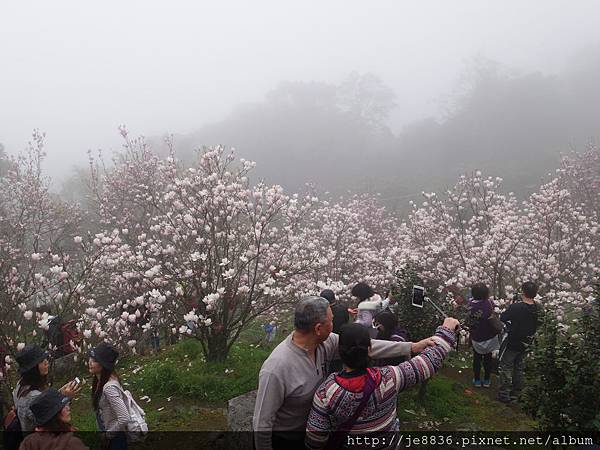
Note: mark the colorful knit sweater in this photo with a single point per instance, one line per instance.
(337, 398)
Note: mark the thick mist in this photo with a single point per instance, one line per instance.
(393, 97)
(336, 136)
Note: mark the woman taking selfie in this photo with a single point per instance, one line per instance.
(362, 400)
(33, 368)
(107, 397)
(52, 416)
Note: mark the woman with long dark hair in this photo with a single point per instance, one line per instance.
(107, 396)
(33, 368)
(362, 400)
(387, 327)
(52, 415)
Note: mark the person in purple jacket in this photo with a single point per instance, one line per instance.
(484, 338)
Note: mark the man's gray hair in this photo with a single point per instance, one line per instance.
(310, 311)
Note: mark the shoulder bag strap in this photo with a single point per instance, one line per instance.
(23, 391)
(338, 435)
(13, 412)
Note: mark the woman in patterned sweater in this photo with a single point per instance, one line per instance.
(337, 400)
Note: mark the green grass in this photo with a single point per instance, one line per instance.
(182, 371)
(188, 393)
(442, 402)
(449, 404)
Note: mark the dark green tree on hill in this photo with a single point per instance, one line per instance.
(420, 322)
(562, 389)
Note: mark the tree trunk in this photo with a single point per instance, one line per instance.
(500, 286)
(217, 348)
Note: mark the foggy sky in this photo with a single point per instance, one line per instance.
(77, 70)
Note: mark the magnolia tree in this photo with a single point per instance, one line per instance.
(217, 252)
(124, 201)
(127, 195)
(39, 259)
(561, 249)
(476, 233)
(203, 251)
(350, 241)
(471, 234)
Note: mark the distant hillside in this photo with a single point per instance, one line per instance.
(335, 136)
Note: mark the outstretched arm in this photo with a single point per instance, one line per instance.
(380, 349)
(428, 362)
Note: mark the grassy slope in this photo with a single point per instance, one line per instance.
(189, 394)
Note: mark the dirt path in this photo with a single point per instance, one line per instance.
(465, 376)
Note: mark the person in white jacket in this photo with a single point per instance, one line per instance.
(369, 305)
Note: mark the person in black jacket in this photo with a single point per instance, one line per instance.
(341, 316)
(340, 312)
(524, 317)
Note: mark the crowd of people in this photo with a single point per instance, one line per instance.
(41, 416)
(330, 378)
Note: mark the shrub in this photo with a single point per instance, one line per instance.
(420, 322)
(562, 376)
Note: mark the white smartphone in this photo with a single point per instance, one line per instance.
(77, 381)
(418, 296)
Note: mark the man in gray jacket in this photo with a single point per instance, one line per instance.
(292, 373)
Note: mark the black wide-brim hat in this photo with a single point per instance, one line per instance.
(105, 354)
(29, 357)
(47, 405)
